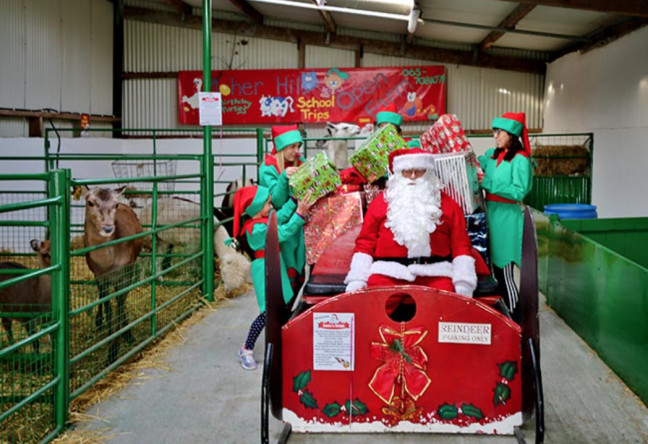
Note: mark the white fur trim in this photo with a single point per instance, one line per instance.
(355, 285)
(360, 268)
(436, 269)
(393, 270)
(464, 274)
(413, 161)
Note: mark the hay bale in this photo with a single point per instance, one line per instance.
(561, 160)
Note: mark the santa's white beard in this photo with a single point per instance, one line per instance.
(413, 211)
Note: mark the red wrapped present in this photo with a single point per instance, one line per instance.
(445, 136)
(328, 219)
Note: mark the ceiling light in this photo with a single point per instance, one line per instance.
(412, 21)
(365, 12)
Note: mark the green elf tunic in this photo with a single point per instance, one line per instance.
(289, 223)
(293, 250)
(506, 186)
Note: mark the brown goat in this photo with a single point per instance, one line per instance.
(106, 219)
(32, 295)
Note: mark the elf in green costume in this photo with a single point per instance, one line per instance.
(507, 179)
(274, 173)
(252, 205)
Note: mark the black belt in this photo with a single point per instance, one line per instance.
(421, 260)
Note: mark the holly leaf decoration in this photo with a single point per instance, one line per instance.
(447, 411)
(332, 409)
(307, 399)
(397, 346)
(357, 407)
(472, 411)
(301, 381)
(508, 369)
(502, 394)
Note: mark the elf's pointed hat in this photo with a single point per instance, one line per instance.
(514, 123)
(248, 201)
(414, 143)
(284, 135)
(410, 158)
(390, 115)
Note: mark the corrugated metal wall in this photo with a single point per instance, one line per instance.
(475, 94)
(55, 54)
(58, 53)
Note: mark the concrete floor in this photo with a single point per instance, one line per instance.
(207, 397)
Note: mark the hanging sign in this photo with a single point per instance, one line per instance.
(317, 95)
(210, 109)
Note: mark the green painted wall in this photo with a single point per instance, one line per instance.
(598, 291)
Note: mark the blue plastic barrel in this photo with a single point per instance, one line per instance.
(571, 211)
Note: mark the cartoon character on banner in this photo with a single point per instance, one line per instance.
(308, 81)
(281, 105)
(193, 101)
(333, 81)
(414, 107)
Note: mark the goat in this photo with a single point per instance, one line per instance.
(106, 219)
(338, 150)
(32, 295)
(234, 267)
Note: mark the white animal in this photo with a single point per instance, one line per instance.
(234, 267)
(194, 101)
(338, 150)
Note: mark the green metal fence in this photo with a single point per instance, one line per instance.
(160, 289)
(562, 174)
(33, 385)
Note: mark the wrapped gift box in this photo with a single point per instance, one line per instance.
(317, 175)
(445, 136)
(458, 175)
(478, 233)
(328, 219)
(372, 158)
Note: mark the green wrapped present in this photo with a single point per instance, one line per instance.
(317, 175)
(372, 158)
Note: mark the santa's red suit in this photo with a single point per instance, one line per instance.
(379, 260)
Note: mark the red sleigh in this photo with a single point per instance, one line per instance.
(440, 362)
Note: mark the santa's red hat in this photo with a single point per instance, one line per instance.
(248, 201)
(410, 158)
(284, 135)
(389, 114)
(514, 123)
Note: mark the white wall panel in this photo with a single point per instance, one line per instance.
(605, 91)
(44, 53)
(150, 103)
(12, 55)
(76, 46)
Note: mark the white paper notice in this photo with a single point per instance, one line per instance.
(333, 341)
(211, 108)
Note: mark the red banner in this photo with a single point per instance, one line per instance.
(317, 95)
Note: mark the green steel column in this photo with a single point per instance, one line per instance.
(259, 136)
(208, 175)
(60, 254)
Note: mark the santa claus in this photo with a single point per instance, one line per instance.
(413, 233)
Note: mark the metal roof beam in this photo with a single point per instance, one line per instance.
(328, 20)
(509, 22)
(179, 5)
(248, 10)
(635, 8)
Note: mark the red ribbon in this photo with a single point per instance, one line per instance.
(404, 363)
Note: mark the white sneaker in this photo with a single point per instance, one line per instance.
(246, 359)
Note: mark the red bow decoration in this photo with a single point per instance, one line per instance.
(404, 363)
